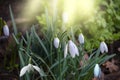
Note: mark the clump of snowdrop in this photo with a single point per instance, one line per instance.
(29, 68)
(81, 38)
(73, 50)
(56, 42)
(103, 47)
(6, 30)
(97, 71)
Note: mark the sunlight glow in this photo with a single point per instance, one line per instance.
(70, 7)
(75, 9)
(78, 8)
(65, 17)
(31, 7)
(86, 6)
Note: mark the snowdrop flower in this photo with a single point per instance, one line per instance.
(6, 30)
(103, 47)
(56, 42)
(65, 17)
(81, 38)
(97, 71)
(65, 50)
(29, 68)
(73, 49)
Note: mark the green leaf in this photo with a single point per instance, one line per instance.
(13, 21)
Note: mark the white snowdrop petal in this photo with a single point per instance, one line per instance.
(23, 70)
(97, 71)
(75, 49)
(6, 30)
(101, 47)
(106, 48)
(39, 70)
(71, 49)
(56, 42)
(36, 68)
(81, 38)
(77, 52)
(65, 50)
(30, 67)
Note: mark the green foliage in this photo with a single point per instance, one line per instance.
(13, 21)
(51, 60)
(9, 53)
(103, 25)
(39, 47)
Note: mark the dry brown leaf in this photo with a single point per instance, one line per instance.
(102, 76)
(94, 78)
(111, 66)
(115, 61)
(113, 76)
(86, 57)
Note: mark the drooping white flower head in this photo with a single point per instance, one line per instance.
(56, 42)
(103, 47)
(97, 71)
(29, 68)
(81, 38)
(73, 50)
(6, 30)
(65, 50)
(65, 17)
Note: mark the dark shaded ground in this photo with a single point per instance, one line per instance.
(9, 61)
(112, 71)
(4, 8)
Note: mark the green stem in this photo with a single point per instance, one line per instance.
(45, 65)
(51, 53)
(59, 58)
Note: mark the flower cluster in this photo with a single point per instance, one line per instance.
(72, 48)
